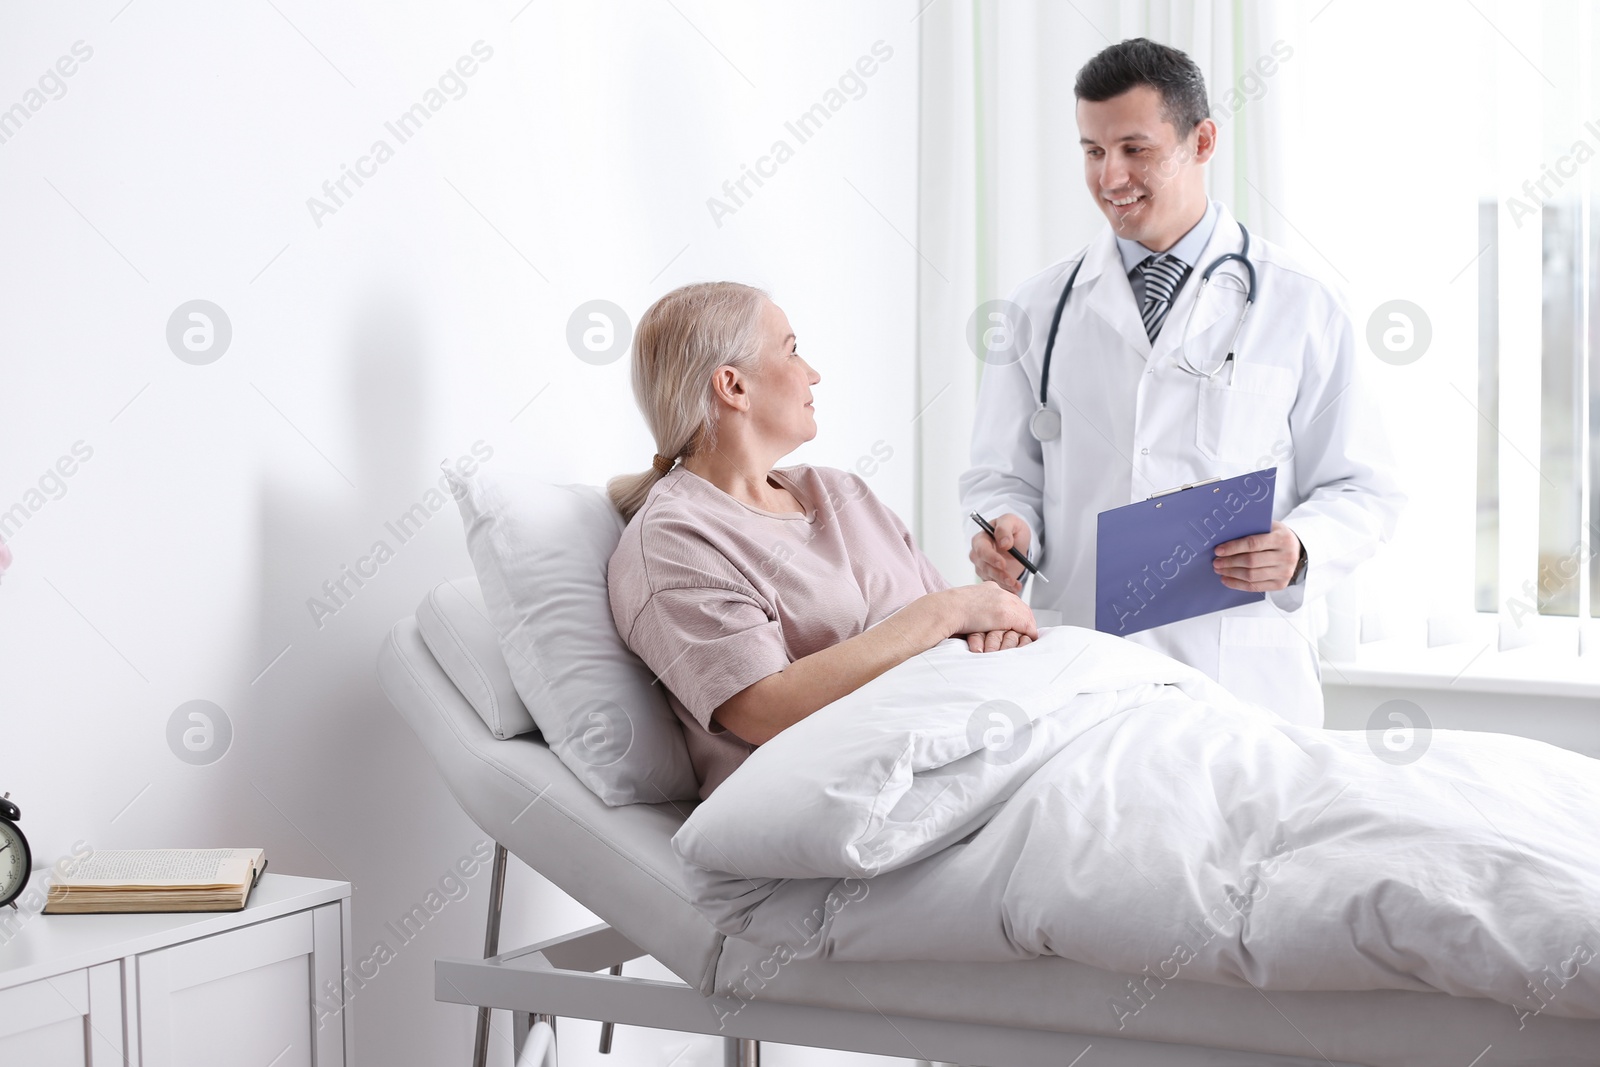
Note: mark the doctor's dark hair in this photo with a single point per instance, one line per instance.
(1141, 61)
(681, 340)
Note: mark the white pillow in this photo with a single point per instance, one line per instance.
(455, 626)
(541, 553)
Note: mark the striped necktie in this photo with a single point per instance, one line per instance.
(1163, 275)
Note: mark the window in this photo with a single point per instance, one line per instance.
(1465, 153)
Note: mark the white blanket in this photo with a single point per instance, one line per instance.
(1087, 797)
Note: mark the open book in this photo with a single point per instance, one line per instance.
(159, 879)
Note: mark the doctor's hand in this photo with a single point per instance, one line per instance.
(989, 555)
(1259, 563)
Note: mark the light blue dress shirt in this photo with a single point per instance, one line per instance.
(1188, 249)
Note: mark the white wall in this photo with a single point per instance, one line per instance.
(427, 313)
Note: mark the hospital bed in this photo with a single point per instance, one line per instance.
(618, 863)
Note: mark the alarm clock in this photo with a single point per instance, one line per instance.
(16, 862)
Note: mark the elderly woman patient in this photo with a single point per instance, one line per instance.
(761, 594)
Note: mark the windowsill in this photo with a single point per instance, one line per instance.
(1474, 666)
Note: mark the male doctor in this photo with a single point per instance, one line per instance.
(1136, 420)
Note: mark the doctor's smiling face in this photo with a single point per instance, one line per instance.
(1144, 125)
(1149, 181)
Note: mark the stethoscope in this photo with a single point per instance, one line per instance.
(1046, 422)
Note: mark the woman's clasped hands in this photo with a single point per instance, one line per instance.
(989, 617)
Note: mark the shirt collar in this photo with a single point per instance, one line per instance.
(1189, 246)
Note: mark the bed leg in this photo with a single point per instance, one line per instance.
(741, 1052)
(607, 1029)
(491, 947)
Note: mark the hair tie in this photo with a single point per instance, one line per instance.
(661, 463)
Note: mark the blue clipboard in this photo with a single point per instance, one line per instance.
(1153, 564)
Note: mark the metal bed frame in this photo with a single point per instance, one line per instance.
(579, 975)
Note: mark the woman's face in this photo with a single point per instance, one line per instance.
(780, 387)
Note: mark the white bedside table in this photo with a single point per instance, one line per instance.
(258, 986)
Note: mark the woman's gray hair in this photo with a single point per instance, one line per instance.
(681, 340)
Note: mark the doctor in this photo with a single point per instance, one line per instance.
(1144, 397)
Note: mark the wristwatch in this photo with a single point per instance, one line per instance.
(1300, 568)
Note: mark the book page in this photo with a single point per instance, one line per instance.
(167, 867)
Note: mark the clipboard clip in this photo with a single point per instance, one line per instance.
(1181, 488)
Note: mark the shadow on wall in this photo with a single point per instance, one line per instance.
(319, 713)
(386, 393)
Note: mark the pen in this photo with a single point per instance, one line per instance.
(1018, 556)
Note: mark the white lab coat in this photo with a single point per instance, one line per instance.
(1134, 424)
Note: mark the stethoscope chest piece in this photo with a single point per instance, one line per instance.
(1045, 424)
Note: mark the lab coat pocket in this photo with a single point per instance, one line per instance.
(1266, 660)
(1240, 419)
